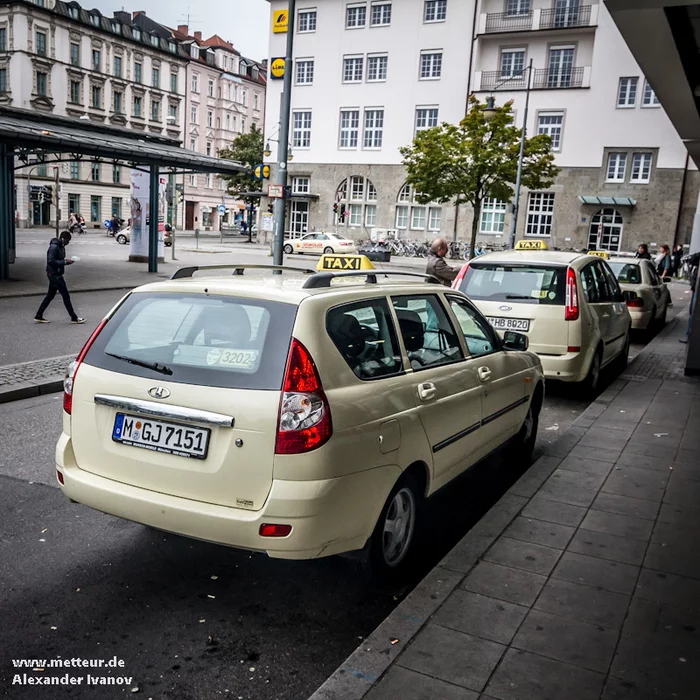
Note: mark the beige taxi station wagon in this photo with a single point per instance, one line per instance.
(301, 415)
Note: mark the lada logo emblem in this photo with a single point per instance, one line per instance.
(159, 392)
(505, 307)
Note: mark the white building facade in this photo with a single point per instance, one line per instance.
(368, 74)
(58, 58)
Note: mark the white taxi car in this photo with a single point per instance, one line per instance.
(301, 418)
(649, 306)
(320, 243)
(569, 304)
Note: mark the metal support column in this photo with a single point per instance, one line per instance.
(153, 219)
(7, 209)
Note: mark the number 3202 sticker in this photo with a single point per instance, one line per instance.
(234, 359)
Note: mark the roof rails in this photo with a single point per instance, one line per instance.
(239, 269)
(324, 279)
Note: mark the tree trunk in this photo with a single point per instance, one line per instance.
(475, 226)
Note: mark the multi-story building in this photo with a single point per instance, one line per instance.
(225, 98)
(58, 58)
(369, 74)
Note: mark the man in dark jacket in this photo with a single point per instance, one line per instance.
(55, 267)
(437, 267)
(643, 252)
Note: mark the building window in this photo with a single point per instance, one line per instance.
(434, 218)
(155, 110)
(118, 98)
(650, 99)
(352, 69)
(95, 171)
(210, 88)
(355, 16)
(349, 199)
(381, 14)
(305, 71)
(228, 122)
(138, 71)
(627, 92)
(75, 92)
(194, 114)
(96, 60)
(41, 83)
(355, 215)
(193, 181)
(244, 98)
(156, 78)
(301, 133)
(540, 208)
(371, 215)
(95, 20)
(244, 124)
(371, 192)
(210, 118)
(307, 21)
(208, 148)
(493, 216)
(401, 217)
(406, 194)
(117, 66)
(435, 11)
(3, 80)
(517, 7)
(561, 67)
(95, 208)
(75, 170)
(512, 62)
(74, 203)
(207, 181)
(193, 144)
(256, 99)
(42, 170)
(374, 128)
(41, 43)
(301, 185)
(173, 82)
(116, 174)
(641, 167)
(195, 83)
(74, 54)
(551, 124)
(357, 188)
(172, 113)
(349, 128)
(3, 39)
(377, 68)
(97, 97)
(617, 166)
(426, 118)
(138, 106)
(117, 207)
(430, 65)
(418, 218)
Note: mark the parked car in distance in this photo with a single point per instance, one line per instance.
(124, 236)
(320, 243)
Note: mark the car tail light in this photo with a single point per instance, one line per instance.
(69, 380)
(59, 476)
(571, 312)
(460, 277)
(274, 530)
(573, 348)
(636, 303)
(305, 416)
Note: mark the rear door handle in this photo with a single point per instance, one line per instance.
(426, 391)
(484, 374)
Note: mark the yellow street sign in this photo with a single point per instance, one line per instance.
(599, 253)
(530, 245)
(277, 67)
(280, 21)
(262, 172)
(344, 262)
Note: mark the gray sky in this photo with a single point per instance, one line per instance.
(245, 23)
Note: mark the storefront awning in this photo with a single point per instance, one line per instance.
(608, 201)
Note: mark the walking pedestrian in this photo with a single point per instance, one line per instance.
(677, 256)
(55, 267)
(643, 252)
(665, 265)
(693, 264)
(437, 267)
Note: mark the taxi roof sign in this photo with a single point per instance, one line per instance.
(530, 245)
(599, 253)
(339, 263)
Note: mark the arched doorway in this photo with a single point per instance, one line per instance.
(605, 232)
(355, 203)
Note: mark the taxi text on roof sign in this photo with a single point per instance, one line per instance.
(280, 21)
(338, 263)
(530, 245)
(599, 253)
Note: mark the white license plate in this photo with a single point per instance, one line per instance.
(509, 324)
(161, 436)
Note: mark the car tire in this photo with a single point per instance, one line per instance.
(392, 546)
(623, 358)
(167, 245)
(523, 443)
(661, 323)
(328, 250)
(589, 386)
(288, 250)
(121, 239)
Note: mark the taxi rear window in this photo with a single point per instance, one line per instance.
(626, 273)
(520, 283)
(197, 339)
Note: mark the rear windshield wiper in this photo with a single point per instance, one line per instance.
(155, 366)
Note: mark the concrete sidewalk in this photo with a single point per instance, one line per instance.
(582, 583)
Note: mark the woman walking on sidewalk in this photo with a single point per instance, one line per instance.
(55, 267)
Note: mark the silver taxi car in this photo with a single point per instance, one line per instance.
(301, 417)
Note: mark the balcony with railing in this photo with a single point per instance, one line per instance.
(571, 17)
(542, 79)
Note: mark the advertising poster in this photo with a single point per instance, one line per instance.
(140, 214)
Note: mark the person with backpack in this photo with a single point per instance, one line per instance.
(693, 264)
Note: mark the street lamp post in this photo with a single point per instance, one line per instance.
(489, 111)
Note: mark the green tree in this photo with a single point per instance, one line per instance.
(476, 159)
(248, 150)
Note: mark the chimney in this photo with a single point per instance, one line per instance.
(264, 63)
(198, 36)
(123, 17)
(183, 29)
(138, 12)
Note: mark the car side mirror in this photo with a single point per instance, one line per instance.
(515, 341)
(628, 296)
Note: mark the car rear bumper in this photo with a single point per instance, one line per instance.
(571, 367)
(327, 516)
(641, 319)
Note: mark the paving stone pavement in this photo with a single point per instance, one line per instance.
(26, 379)
(582, 583)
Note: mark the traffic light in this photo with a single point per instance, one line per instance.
(335, 208)
(270, 208)
(181, 198)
